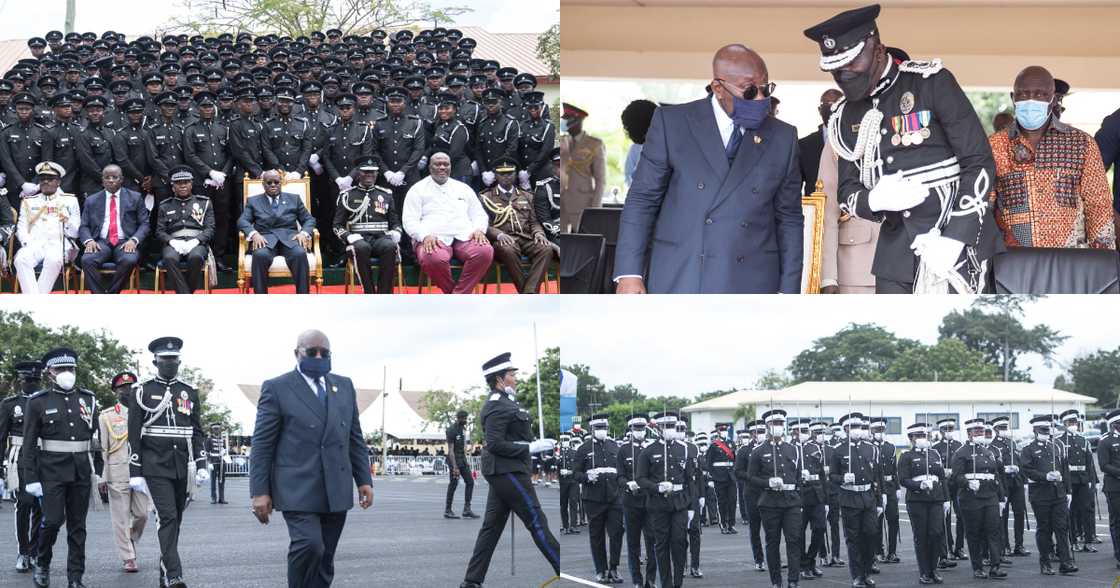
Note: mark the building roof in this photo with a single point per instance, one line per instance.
(932, 393)
(12, 51)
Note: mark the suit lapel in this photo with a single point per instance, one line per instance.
(332, 404)
(307, 394)
(750, 153)
(706, 133)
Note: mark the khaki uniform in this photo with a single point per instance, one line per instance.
(849, 241)
(583, 177)
(512, 213)
(127, 508)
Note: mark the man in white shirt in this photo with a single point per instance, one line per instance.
(446, 220)
(48, 222)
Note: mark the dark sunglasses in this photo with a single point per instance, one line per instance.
(752, 90)
(322, 352)
(271, 182)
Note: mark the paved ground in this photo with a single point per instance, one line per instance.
(402, 541)
(724, 561)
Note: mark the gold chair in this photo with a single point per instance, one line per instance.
(812, 207)
(205, 276)
(352, 272)
(279, 267)
(133, 278)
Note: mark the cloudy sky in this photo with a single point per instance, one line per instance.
(686, 346)
(429, 341)
(18, 18)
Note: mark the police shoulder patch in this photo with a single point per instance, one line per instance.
(200, 197)
(924, 67)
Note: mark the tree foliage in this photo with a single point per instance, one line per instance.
(993, 326)
(949, 360)
(857, 353)
(1096, 374)
(548, 49)
(300, 17)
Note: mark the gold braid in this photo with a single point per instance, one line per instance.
(503, 214)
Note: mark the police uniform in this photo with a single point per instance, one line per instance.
(21, 149)
(1083, 481)
(184, 229)
(538, 138)
(636, 519)
(128, 508)
(217, 452)
(569, 488)
(456, 439)
(59, 438)
(583, 175)
(61, 146)
(206, 148)
(833, 514)
(918, 122)
(134, 154)
(28, 511)
(168, 447)
(1013, 487)
(776, 471)
(814, 498)
(921, 472)
(497, 136)
(596, 470)
(947, 448)
(663, 472)
(975, 474)
(696, 486)
(1108, 456)
(750, 493)
(889, 518)
(165, 151)
(856, 468)
(1047, 473)
(546, 201)
(511, 215)
(453, 138)
(98, 146)
(399, 143)
(288, 137)
(247, 145)
(506, 457)
(368, 221)
(724, 467)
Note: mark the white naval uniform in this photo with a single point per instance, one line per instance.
(40, 230)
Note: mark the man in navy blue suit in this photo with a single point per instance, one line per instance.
(114, 226)
(277, 223)
(302, 409)
(715, 205)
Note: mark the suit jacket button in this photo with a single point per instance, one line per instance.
(707, 221)
(906, 214)
(700, 186)
(739, 259)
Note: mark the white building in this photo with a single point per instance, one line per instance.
(899, 403)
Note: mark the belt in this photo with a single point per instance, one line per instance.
(856, 487)
(65, 446)
(187, 233)
(723, 464)
(678, 487)
(919, 479)
(888, 478)
(1074, 468)
(813, 477)
(980, 476)
(935, 174)
(170, 432)
(786, 488)
(603, 471)
(1008, 470)
(372, 227)
(17, 440)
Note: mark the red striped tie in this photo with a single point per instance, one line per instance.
(113, 220)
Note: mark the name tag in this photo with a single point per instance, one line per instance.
(51, 411)
(156, 396)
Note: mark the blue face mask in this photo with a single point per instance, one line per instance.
(749, 114)
(1032, 114)
(563, 125)
(315, 367)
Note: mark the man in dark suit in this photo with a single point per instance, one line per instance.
(277, 223)
(114, 226)
(811, 145)
(715, 205)
(298, 411)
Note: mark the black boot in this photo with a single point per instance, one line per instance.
(76, 583)
(40, 575)
(924, 579)
(1020, 552)
(450, 514)
(997, 574)
(980, 574)
(468, 513)
(1067, 568)
(1044, 568)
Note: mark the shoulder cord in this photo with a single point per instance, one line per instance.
(866, 152)
(502, 214)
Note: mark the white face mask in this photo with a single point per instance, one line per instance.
(819, 438)
(777, 430)
(509, 390)
(638, 434)
(921, 443)
(65, 380)
(949, 434)
(1042, 436)
(1073, 428)
(840, 435)
(878, 436)
(760, 437)
(983, 441)
(599, 434)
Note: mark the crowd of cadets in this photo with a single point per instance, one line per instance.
(85, 102)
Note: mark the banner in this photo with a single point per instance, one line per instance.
(568, 382)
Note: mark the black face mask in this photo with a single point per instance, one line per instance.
(856, 86)
(30, 386)
(167, 368)
(125, 398)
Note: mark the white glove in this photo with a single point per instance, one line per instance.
(1002, 505)
(344, 183)
(388, 175)
(209, 467)
(945, 507)
(423, 163)
(35, 489)
(691, 514)
(878, 511)
(1069, 500)
(849, 478)
(1010, 469)
(177, 245)
(1053, 476)
(149, 202)
(974, 485)
(775, 483)
(487, 177)
(523, 179)
(211, 183)
(826, 511)
(564, 472)
(926, 485)
(3, 178)
(894, 193)
(28, 189)
(400, 178)
(201, 476)
(316, 167)
(138, 485)
(313, 160)
(291, 176)
(217, 176)
(474, 168)
(3, 487)
(633, 486)
(593, 476)
(394, 235)
(664, 486)
(939, 253)
(353, 238)
(189, 245)
(542, 445)
(711, 484)
(701, 502)
(804, 474)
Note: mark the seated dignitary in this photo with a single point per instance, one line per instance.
(48, 223)
(277, 223)
(185, 227)
(445, 219)
(368, 222)
(114, 226)
(514, 228)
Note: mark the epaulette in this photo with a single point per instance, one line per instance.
(925, 67)
(543, 182)
(44, 126)
(509, 116)
(383, 189)
(496, 396)
(84, 391)
(39, 393)
(415, 116)
(200, 196)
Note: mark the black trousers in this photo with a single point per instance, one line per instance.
(604, 521)
(983, 535)
(927, 521)
(1016, 501)
(754, 517)
(833, 525)
(725, 496)
(743, 488)
(313, 539)
(169, 497)
(637, 523)
(226, 208)
(125, 263)
(669, 544)
(1114, 522)
(29, 522)
(468, 481)
(812, 518)
(952, 544)
(567, 504)
(859, 533)
(385, 250)
(324, 200)
(1052, 524)
(218, 482)
(196, 261)
(890, 517)
(65, 502)
(511, 492)
(778, 522)
(1080, 515)
(296, 257)
(694, 535)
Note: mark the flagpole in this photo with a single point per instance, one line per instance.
(540, 407)
(384, 409)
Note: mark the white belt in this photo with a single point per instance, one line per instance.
(920, 479)
(979, 476)
(856, 487)
(16, 440)
(1074, 468)
(786, 488)
(173, 432)
(888, 478)
(723, 464)
(1008, 470)
(603, 471)
(678, 487)
(935, 174)
(948, 471)
(812, 477)
(65, 446)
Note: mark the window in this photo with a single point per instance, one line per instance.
(894, 425)
(987, 416)
(931, 418)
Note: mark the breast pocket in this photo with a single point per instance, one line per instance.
(1011, 192)
(1066, 183)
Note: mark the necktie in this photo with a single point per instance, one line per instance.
(733, 144)
(321, 391)
(275, 202)
(113, 220)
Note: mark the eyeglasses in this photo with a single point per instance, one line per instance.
(271, 182)
(322, 352)
(751, 91)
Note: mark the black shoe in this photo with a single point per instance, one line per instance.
(1087, 548)
(775, 586)
(837, 563)
(870, 583)
(891, 559)
(222, 267)
(1005, 561)
(858, 583)
(563, 530)
(1067, 569)
(695, 573)
(957, 555)
(759, 567)
(613, 576)
(212, 501)
(466, 584)
(875, 569)
(925, 580)
(450, 514)
(1020, 552)
(792, 585)
(946, 564)
(1095, 540)
(601, 578)
(23, 564)
(816, 572)
(75, 584)
(222, 502)
(1006, 552)
(41, 576)
(723, 530)
(980, 574)
(469, 514)
(731, 530)
(176, 583)
(1045, 569)
(997, 574)
(573, 531)
(936, 578)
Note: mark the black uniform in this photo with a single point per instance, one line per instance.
(781, 506)
(723, 469)
(946, 448)
(974, 465)
(1013, 482)
(569, 489)
(537, 139)
(289, 139)
(506, 463)
(1108, 456)
(165, 151)
(61, 146)
(1048, 498)
(496, 136)
(833, 514)
(546, 203)
(58, 435)
(216, 450)
(248, 147)
(456, 438)
(751, 495)
(206, 147)
(370, 213)
(1083, 480)
(668, 511)
(890, 488)
(924, 507)
(453, 138)
(343, 144)
(399, 143)
(134, 151)
(185, 218)
(29, 513)
(167, 446)
(814, 497)
(858, 502)
(601, 500)
(97, 146)
(696, 485)
(21, 149)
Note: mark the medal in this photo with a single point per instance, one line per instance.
(916, 138)
(906, 105)
(925, 133)
(896, 139)
(906, 140)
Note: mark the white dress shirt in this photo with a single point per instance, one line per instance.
(311, 383)
(105, 221)
(724, 122)
(450, 211)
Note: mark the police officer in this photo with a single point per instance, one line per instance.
(514, 229)
(59, 430)
(21, 149)
(399, 143)
(507, 430)
(538, 137)
(596, 469)
(922, 472)
(217, 452)
(206, 148)
(696, 487)
(99, 146)
(636, 519)
(546, 200)
(134, 151)
(497, 135)
(814, 494)
(723, 467)
(751, 493)
(368, 221)
(1083, 481)
(459, 467)
(447, 134)
(288, 136)
(776, 469)
(980, 493)
(1047, 473)
(947, 447)
(1108, 456)
(914, 157)
(246, 139)
(663, 472)
(836, 441)
(344, 142)
(878, 430)
(165, 145)
(29, 513)
(184, 229)
(856, 468)
(1013, 486)
(569, 488)
(61, 143)
(168, 449)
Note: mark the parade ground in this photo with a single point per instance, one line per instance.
(402, 541)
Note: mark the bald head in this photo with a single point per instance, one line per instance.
(312, 338)
(735, 61)
(1034, 83)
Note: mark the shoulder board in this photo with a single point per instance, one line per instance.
(199, 196)
(37, 394)
(47, 126)
(925, 67)
(84, 391)
(509, 116)
(496, 396)
(383, 189)
(149, 379)
(416, 116)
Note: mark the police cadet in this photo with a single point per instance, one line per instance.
(368, 221)
(1047, 473)
(447, 134)
(636, 519)
(878, 429)
(168, 450)
(458, 467)
(61, 143)
(596, 468)
(695, 491)
(99, 146)
(538, 136)
(814, 495)
(913, 157)
(1108, 456)
(546, 200)
(59, 429)
(29, 512)
(246, 140)
(1083, 481)
(1012, 485)
(165, 144)
(947, 447)
(288, 136)
(217, 452)
(21, 149)
(922, 473)
(832, 514)
(345, 141)
(751, 493)
(514, 229)
(399, 143)
(568, 485)
(497, 135)
(506, 454)
(206, 149)
(663, 472)
(979, 493)
(724, 466)
(776, 469)
(134, 152)
(856, 468)
(184, 229)
(128, 509)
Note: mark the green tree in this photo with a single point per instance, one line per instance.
(988, 104)
(212, 412)
(1096, 374)
(858, 352)
(949, 360)
(772, 380)
(590, 391)
(993, 326)
(300, 17)
(550, 393)
(622, 393)
(548, 49)
(744, 413)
